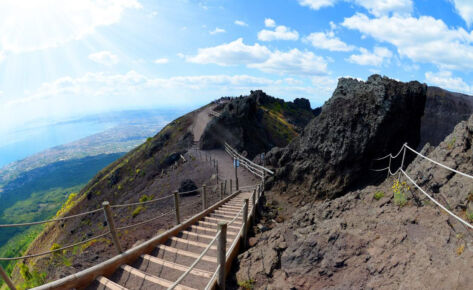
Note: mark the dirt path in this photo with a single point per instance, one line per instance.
(225, 163)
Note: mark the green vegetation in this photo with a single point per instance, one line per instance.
(31, 278)
(137, 211)
(247, 284)
(469, 216)
(145, 197)
(460, 249)
(378, 195)
(399, 190)
(451, 143)
(39, 195)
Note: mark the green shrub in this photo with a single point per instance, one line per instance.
(469, 216)
(144, 198)
(378, 195)
(247, 284)
(137, 211)
(31, 278)
(400, 190)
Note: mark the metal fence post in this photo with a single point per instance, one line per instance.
(111, 225)
(245, 223)
(7, 279)
(204, 198)
(221, 254)
(389, 167)
(402, 161)
(176, 206)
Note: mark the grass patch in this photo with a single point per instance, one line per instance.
(378, 195)
(399, 190)
(460, 249)
(137, 211)
(247, 284)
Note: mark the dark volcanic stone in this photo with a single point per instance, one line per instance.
(360, 122)
(443, 111)
(188, 185)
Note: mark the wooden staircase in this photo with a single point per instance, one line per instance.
(161, 267)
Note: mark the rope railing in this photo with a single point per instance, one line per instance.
(191, 267)
(141, 202)
(401, 170)
(55, 250)
(247, 160)
(144, 222)
(51, 220)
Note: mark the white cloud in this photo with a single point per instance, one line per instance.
(385, 7)
(240, 23)
(446, 80)
(424, 39)
(317, 4)
(375, 7)
(268, 22)
(233, 53)
(161, 60)
(217, 30)
(69, 97)
(72, 20)
(281, 32)
(104, 57)
(293, 62)
(465, 9)
(375, 58)
(2, 56)
(324, 85)
(328, 41)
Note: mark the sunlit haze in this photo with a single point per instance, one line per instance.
(63, 59)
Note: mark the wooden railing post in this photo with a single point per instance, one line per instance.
(216, 169)
(221, 254)
(245, 223)
(111, 225)
(231, 187)
(253, 202)
(225, 188)
(204, 197)
(236, 174)
(176, 207)
(7, 279)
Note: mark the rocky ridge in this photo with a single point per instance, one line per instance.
(361, 121)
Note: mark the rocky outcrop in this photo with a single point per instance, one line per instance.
(443, 111)
(367, 240)
(456, 151)
(361, 121)
(256, 123)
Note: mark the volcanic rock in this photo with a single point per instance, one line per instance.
(360, 122)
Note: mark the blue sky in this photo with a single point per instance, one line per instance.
(63, 59)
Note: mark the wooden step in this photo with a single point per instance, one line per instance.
(207, 229)
(229, 217)
(109, 284)
(151, 278)
(213, 224)
(217, 220)
(193, 243)
(187, 253)
(178, 267)
(202, 236)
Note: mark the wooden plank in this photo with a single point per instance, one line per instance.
(214, 224)
(222, 220)
(186, 253)
(109, 284)
(152, 278)
(201, 235)
(210, 230)
(193, 243)
(176, 266)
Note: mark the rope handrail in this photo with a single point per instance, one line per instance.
(51, 220)
(191, 267)
(55, 250)
(438, 163)
(251, 162)
(436, 202)
(141, 202)
(144, 222)
(390, 155)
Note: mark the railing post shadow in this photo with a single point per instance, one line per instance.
(245, 224)
(176, 206)
(221, 254)
(111, 225)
